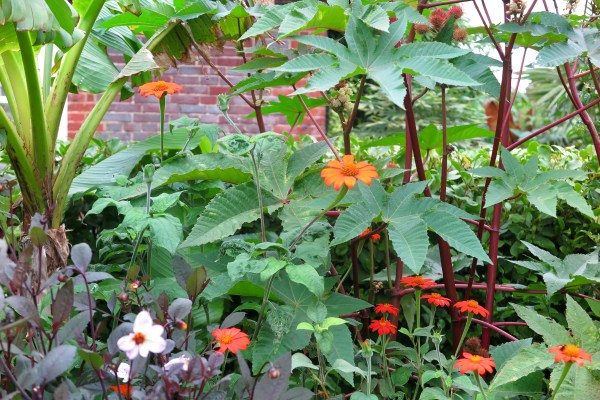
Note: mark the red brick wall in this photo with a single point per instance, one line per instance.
(138, 117)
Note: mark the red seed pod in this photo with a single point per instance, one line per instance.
(456, 12)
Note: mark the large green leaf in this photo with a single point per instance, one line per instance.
(582, 326)
(353, 221)
(307, 276)
(410, 241)
(430, 49)
(456, 232)
(226, 213)
(525, 362)
(438, 70)
(103, 174)
(553, 333)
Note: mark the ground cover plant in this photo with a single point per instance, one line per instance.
(426, 257)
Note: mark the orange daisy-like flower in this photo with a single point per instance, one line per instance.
(474, 363)
(386, 308)
(570, 353)
(417, 281)
(231, 339)
(471, 306)
(382, 326)
(346, 172)
(125, 390)
(437, 300)
(374, 237)
(159, 88)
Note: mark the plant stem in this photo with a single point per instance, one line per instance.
(464, 334)
(352, 116)
(339, 198)
(42, 153)
(478, 380)
(263, 309)
(263, 234)
(561, 379)
(162, 101)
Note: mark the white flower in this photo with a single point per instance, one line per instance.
(123, 372)
(179, 360)
(146, 337)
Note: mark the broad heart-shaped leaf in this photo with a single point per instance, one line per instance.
(456, 232)
(409, 238)
(553, 333)
(584, 330)
(525, 362)
(166, 232)
(226, 213)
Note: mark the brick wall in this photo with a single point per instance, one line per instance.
(138, 117)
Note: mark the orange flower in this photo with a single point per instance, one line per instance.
(417, 281)
(231, 339)
(125, 390)
(346, 172)
(474, 363)
(159, 88)
(570, 353)
(436, 299)
(374, 237)
(382, 326)
(471, 306)
(386, 308)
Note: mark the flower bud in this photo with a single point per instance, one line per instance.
(179, 324)
(62, 277)
(124, 297)
(274, 373)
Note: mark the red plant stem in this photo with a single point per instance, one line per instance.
(444, 248)
(487, 29)
(333, 213)
(553, 124)
(444, 3)
(510, 323)
(492, 327)
(495, 149)
(564, 84)
(444, 177)
(333, 272)
(492, 273)
(577, 76)
(352, 116)
(585, 117)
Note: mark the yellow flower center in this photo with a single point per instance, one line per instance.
(571, 350)
(349, 170)
(419, 280)
(436, 295)
(475, 358)
(139, 338)
(161, 86)
(473, 303)
(226, 339)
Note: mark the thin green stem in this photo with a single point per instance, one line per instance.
(339, 198)
(478, 380)
(263, 309)
(388, 268)
(263, 232)
(561, 379)
(48, 49)
(43, 155)
(464, 334)
(162, 102)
